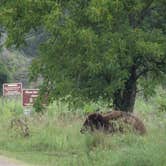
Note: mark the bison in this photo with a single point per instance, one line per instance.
(114, 121)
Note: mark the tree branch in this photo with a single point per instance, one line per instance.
(142, 73)
(144, 11)
(158, 64)
(132, 16)
(140, 90)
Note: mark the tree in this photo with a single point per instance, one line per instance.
(4, 75)
(95, 49)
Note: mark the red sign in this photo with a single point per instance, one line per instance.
(11, 89)
(29, 96)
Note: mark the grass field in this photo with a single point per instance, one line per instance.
(55, 139)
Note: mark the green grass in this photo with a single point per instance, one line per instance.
(55, 139)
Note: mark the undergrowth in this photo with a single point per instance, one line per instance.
(55, 138)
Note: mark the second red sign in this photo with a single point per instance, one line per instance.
(29, 96)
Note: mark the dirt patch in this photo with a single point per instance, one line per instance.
(4, 161)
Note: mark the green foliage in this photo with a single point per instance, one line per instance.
(95, 49)
(4, 75)
(27, 15)
(161, 100)
(38, 105)
(90, 108)
(16, 66)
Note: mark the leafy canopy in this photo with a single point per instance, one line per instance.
(92, 45)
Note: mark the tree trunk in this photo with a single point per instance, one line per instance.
(124, 99)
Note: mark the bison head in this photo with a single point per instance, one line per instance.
(93, 122)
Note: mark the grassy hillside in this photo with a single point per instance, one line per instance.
(55, 138)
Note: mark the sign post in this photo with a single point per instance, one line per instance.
(12, 91)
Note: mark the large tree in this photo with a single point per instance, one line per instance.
(94, 49)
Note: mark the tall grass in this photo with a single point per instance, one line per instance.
(55, 138)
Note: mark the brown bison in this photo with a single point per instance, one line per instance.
(114, 121)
